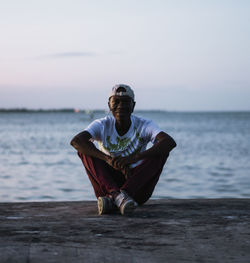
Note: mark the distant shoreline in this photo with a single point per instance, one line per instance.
(90, 111)
(23, 110)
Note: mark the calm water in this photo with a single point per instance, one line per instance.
(212, 159)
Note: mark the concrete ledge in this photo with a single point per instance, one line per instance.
(203, 230)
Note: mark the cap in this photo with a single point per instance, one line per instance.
(128, 91)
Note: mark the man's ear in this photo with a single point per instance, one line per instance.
(133, 105)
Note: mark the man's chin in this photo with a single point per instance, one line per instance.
(122, 115)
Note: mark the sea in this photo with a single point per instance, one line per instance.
(37, 162)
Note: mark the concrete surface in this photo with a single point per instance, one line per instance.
(202, 230)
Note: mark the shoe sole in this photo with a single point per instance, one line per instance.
(127, 208)
(104, 207)
(101, 206)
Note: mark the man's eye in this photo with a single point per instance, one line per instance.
(117, 101)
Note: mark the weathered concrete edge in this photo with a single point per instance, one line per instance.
(200, 230)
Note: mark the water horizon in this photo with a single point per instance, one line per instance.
(77, 110)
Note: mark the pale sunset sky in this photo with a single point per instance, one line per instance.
(177, 55)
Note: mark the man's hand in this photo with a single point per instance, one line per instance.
(122, 164)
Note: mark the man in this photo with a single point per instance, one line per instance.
(122, 172)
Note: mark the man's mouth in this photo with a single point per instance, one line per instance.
(122, 110)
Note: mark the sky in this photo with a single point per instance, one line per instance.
(177, 55)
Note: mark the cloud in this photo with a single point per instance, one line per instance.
(68, 55)
(116, 52)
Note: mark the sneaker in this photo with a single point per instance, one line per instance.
(105, 205)
(125, 203)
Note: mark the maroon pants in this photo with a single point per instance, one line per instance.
(140, 185)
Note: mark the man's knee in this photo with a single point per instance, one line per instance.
(156, 161)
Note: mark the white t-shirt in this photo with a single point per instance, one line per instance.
(141, 132)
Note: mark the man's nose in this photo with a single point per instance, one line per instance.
(122, 103)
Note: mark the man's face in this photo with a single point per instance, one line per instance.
(121, 106)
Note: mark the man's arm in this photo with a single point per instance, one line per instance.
(163, 146)
(81, 142)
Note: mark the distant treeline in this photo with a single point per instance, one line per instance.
(35, 110)
(47, 110)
